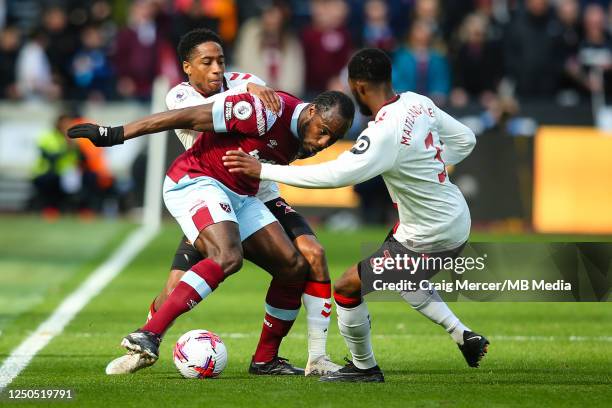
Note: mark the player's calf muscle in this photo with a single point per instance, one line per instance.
(294, 268)
(173, 280)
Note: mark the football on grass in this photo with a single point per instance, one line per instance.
(200, 354)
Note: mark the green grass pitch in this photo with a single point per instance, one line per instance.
(534, 360)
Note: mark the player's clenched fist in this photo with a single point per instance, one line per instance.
(237, 161)
(101, 136)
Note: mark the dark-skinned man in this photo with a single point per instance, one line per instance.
(409, 143)
(219, 212)
(203, 62)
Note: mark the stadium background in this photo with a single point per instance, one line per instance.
(529, 77)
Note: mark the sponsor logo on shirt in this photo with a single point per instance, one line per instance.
(259, 113)
(255, 154)
(228, 110)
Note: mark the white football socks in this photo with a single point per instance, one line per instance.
(431, 305)
(318, 311)
(354, 326)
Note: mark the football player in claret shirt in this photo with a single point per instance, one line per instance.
(409, 143)
(218, 210)
(203, 60)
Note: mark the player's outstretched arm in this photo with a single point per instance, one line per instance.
(196, 118)
(363, 162)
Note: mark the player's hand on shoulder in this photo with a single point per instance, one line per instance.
(268, 96)
(237, 161)
(101, 136)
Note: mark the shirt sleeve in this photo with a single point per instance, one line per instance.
(244, 114)
(182, 97)
(239, 84)
(242, 88)
(458, 139)
(235, 90)
(373, 153)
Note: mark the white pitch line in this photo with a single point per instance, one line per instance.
(19, 359)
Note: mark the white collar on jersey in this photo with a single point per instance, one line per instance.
(294, 118)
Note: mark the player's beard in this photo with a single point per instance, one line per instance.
(363, 108)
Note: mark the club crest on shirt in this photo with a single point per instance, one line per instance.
(243, 110)
(225, 207)
(180, 96)
(272, 143)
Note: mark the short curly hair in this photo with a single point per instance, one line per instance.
(193, 38)
(327, 100)
(371, 65)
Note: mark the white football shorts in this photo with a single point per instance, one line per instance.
(202, 201)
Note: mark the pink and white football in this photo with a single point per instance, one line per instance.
(200, 354)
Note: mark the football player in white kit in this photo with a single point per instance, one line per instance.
(409, 142)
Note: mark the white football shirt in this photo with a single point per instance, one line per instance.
(409, 143)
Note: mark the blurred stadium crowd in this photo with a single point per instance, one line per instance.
(479, 59)
(456, 52)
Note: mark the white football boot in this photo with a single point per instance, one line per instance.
(129, 363)
(321, 366)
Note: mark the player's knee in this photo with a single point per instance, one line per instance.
(229, 260)
(232, 262)
(314, 253)
(301, 266)
(296, 268)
